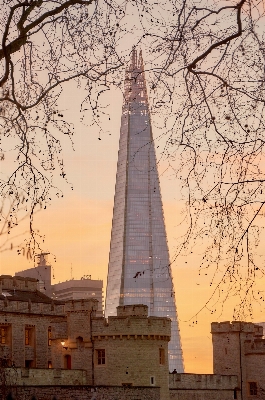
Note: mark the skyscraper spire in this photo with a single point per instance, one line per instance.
(139, 269)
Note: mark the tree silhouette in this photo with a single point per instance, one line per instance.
(210, 84)
(205, 67)
(45, 44)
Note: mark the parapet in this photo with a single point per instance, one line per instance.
(132, 321)
(203, 381)
(133, 310)
(256, 346)
(28, 306)
(44, 376)
(8, 282)
(81, 305)
(236, 326)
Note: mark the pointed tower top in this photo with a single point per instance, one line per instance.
(136, 59)
(139, 269)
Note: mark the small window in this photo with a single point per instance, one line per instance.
(49, 336)
(152, 380)
(67, 362)
(49, 364)
(101, 359)
(29, 336)
(29, 363)
(253, 389)
(161, 356)
(3, 335)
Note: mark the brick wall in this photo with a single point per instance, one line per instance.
(200, 394)
(84, 393)
(15, 349)
(7, 305)
(39, 376)
(202, 387)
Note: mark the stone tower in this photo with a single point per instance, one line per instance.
(239, 349)
(139, 270)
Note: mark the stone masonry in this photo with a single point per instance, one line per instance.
(203, 387)
(81, 392)
(50, 347)
(239, 349)
(136, 348)
(38, 332)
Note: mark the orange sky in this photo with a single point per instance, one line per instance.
(77, 230)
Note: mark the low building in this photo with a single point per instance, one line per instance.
(76, 289)
(73, 289)
(41, 272)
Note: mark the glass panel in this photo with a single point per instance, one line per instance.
(139, 267)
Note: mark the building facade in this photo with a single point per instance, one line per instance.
(239, 349)
(139, 268)
(60, 350)
(203, 387)
(41, 339)
(77, 289)
(73, 289)
(41, 272)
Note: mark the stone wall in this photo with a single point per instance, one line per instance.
(43, 377)
(125, 311)
(29, 307)
(238, 349)
(15, 349)
(132, 345)
(135, 346)
(18, 282)
(83, 393)
(203, 387)
(201, 394)
(132, 325)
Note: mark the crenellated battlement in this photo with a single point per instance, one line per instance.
(236, 326)
(32, 307)
(8, 282)
(133, 310)
(256, 346)
(203, 381)
(81, 305)
(132, 327)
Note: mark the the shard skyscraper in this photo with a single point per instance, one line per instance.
(139, 269)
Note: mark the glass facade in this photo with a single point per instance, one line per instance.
(139, 268)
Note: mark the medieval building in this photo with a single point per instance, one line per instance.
(51, 349)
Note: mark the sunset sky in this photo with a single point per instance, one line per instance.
(75, 229)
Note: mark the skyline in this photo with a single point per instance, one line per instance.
(77, 228)
(81, 238)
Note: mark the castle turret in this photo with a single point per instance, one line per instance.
(135, 346)
(237, 347)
